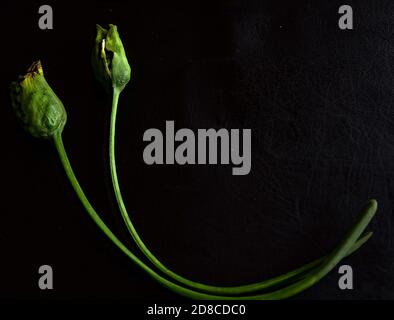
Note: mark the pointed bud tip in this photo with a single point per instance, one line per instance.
(35, 68)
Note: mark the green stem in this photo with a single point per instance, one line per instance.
(235, 290)
(350, 243)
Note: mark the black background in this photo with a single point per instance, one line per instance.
(319, 101)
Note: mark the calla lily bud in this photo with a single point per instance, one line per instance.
(109, 59)
(37, 107)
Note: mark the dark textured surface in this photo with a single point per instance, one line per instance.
(318, 100)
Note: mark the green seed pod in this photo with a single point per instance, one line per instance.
(37, 107)
(109, 60)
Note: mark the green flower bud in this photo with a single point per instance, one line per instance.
(37, 107)
(109, 59)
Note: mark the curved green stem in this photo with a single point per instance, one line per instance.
(350, 243)
(235, 290)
